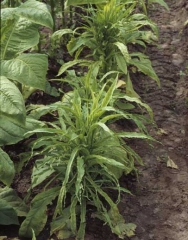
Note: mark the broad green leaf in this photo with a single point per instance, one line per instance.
(37, 216)
(11, 102)
(17, 36)
(79, 2)
(36, 12)
(7, 170)
(10, 196)
(11, 132)
(28, 69)
(7, 214)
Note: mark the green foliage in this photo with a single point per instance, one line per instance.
(85, 156)
(19, 32)
(11, 206)
(7, 170)
(109, 32)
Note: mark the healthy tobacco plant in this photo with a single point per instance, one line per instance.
(79, 158)
(21, 73)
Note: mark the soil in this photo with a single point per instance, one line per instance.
(159, 204)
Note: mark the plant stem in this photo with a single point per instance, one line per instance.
(12, 2)
(63, 13)
(53, 13)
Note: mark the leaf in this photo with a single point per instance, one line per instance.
(121, 63)
(161, 2)
(171, 163)
(12, 199)
(121, 84)
(7, 214)
(138, 101)
(69, 64)
(11, 132)
(60, 225)
(11, 102)
(144, 65)
(18, 34)
(134, 135)
(80, 174)
(129, 88)
(36, 12)
(67, 175)
(33, 235)
(58, 34)
(28, 69)
(123, 49)
(37, 216)
(7, 170)
(79, 2)
(40, 172)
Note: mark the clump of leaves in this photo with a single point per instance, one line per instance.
(109, 31)
(85, 157)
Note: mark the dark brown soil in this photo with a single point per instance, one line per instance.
(159, 206)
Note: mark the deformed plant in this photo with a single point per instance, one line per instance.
(84, 157)
(108, 33)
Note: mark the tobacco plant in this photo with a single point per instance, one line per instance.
(21, 73)
(80, 158)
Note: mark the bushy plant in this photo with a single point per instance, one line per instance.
(84, 157)
(108, 33)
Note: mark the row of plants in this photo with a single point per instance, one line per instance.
(78, 157)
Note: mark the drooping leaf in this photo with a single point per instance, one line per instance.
(18, 35)
(10, 196)
(123, 49)
(161, 2)
(69, 64)
(28, 69)
(11, 102)
(11, 132)
(37, 216)
(7, 170)
(40, 172)
(7, 214)
(79, 2)
(144, 65)
(36, 12)
(121, 63)
(80, 174)
(58, 34)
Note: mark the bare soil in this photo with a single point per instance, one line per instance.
(159, 204)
